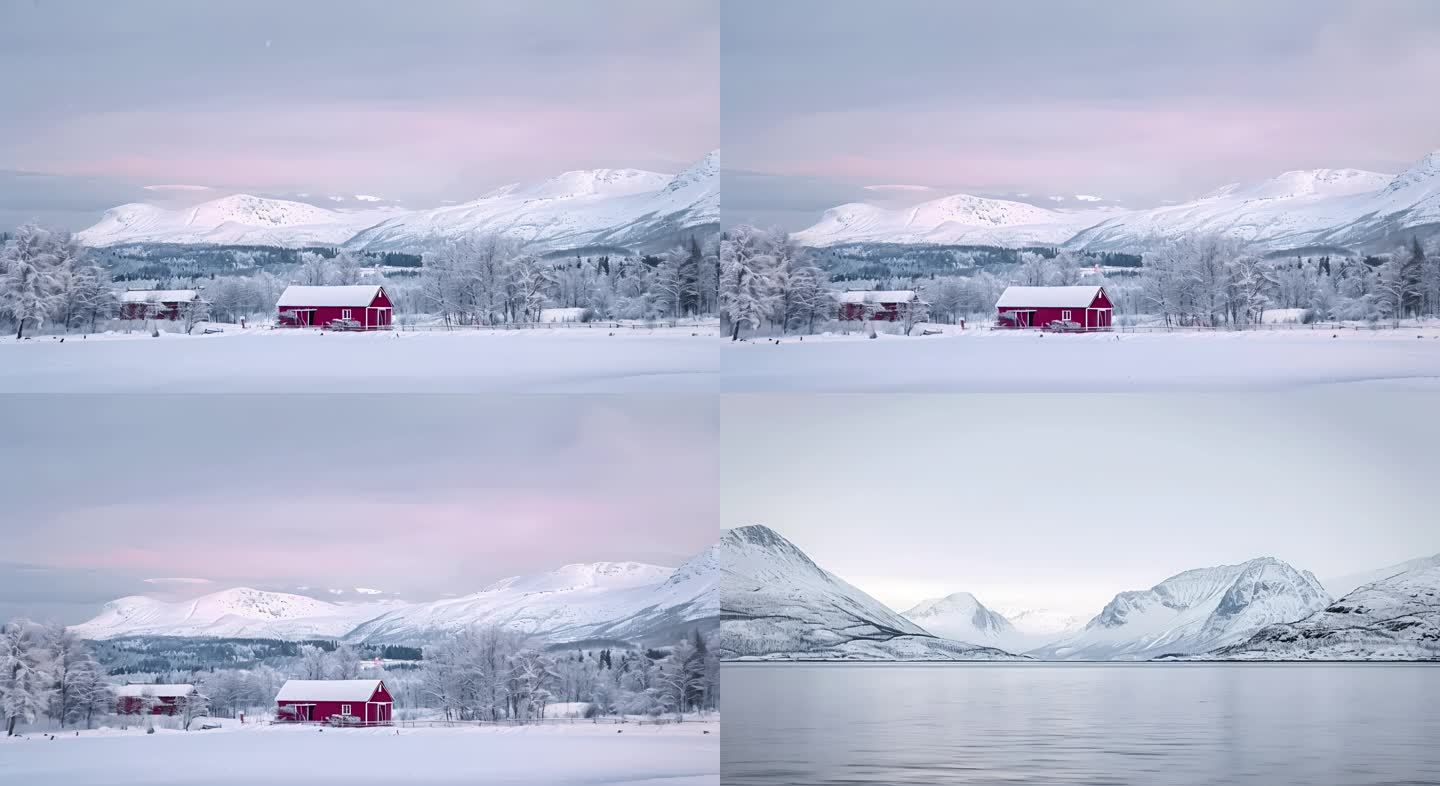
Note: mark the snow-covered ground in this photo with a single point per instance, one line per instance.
(666, 755)
(681, 359)
(1004, 361)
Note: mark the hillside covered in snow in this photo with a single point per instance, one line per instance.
(1395, 618)
(1346, 208)
(624, 208)
(240, 612)
(626, 601)
(777, 604)
(1194, 611)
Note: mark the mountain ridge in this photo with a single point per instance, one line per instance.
(630, 208)
(1193, 611)
(618, 600)
(777, 603)
(1351, 208)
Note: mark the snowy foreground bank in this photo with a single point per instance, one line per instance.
(674, 755)
(1002, 362)
(661, 360)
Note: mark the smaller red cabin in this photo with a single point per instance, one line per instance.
(157, 303)
(342, 702)
(145, 699)
(1078, 308)
(879, 305)
(358, 307)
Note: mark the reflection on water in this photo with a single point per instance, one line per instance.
(1081, 724)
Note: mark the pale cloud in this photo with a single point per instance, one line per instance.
(441, 100)
(1139, 101)
(419, 495)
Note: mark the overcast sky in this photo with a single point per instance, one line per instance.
(1130, 100)
(419, 102)
(1055, 501)
(417, 495)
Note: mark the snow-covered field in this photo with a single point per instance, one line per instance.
(673, 755)
(1002, 361)
(682, 359)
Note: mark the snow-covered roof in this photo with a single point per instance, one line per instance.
(327, 690)
(878, 296)
(159, 296)
(360, 295)
(173, 689)
(1048, 297)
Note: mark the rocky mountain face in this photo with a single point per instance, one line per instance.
(1395, 618)
(777, 604)
(626, 208)
(1195, 611)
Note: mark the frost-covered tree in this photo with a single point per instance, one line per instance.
(25, 679)
(747, 259)
(344, 662)
(29, 264)
(313, 663)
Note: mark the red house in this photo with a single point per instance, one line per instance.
(1088, 307)
(883, 306)
(306, 306)
(156, 303)
(151, 699)
(366, 701)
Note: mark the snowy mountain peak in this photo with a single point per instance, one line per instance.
(1304, 183)
(1426, 170)
(236, 612)
(761, 537)
(628, 208)
(584, 575)
(777, 603)
(954, 219)
(1394, 618)
(705, 172)
(960, 616)
(594, 182)
(1195, 611)
(632, 601)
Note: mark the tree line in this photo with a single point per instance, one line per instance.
(769, 285)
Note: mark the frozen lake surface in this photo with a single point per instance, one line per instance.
(1010, 362)
(543, 756)
(663, 360)
(1167, 724)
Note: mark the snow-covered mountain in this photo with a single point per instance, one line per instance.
(1395, 618)
(777, 604)
(961, 617)
(628, 208)
(1349, 208)
(240, 219)
(241, 612)
(1321, 207)
(628, 601)
(1041, 625)
(631, 601)
(1195, 611)
(960, 219)
(1340, 586)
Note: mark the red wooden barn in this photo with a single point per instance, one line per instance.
(1037, 307)
(156, 303)
(367, 701)
(884, 306)
(159, 699)
(305, 306)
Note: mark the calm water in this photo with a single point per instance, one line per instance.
(1081, 724)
